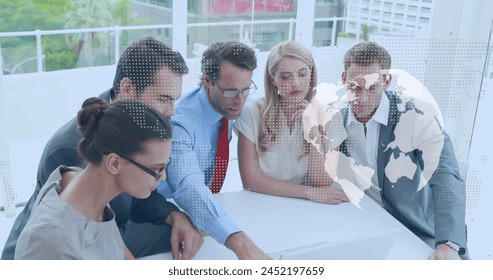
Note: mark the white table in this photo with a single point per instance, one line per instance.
(279, 223)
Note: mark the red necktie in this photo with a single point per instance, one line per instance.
(222, 157)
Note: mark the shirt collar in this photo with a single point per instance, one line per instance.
(211, 116)
(381, 114)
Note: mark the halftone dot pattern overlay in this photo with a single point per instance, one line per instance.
(10, 195)
(474, 183)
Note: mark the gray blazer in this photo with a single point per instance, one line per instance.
(435, 213)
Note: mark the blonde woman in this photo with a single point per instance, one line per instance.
(274, 157)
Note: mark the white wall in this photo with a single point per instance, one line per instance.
(37, 105)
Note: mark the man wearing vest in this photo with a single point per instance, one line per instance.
(416, 176)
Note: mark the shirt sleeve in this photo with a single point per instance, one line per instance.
(449, 197)
(186, 181)
(441, 171)
(43, 244)
(248, 122)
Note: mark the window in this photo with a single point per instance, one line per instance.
(163, 3)
(323, 24)
(424, 20)
(425, 10)
(236, 15)
(325, 3)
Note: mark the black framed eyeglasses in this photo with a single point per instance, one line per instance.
(159, 175)
(235, 92)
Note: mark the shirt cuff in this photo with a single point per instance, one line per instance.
(222, 228)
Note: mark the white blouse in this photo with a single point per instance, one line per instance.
(285, 158)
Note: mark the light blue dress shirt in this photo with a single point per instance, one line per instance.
(195, 133)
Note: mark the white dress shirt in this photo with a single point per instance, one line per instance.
(364, 148)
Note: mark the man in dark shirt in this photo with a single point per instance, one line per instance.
(150, 72)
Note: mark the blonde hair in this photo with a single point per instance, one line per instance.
(270, 109)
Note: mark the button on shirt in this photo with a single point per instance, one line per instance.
(364, 148)
(195, 133)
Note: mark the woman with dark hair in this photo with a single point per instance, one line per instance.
(126, 146)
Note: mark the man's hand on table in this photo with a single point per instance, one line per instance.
(244, 248)
(444, 252)
(185, 237)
